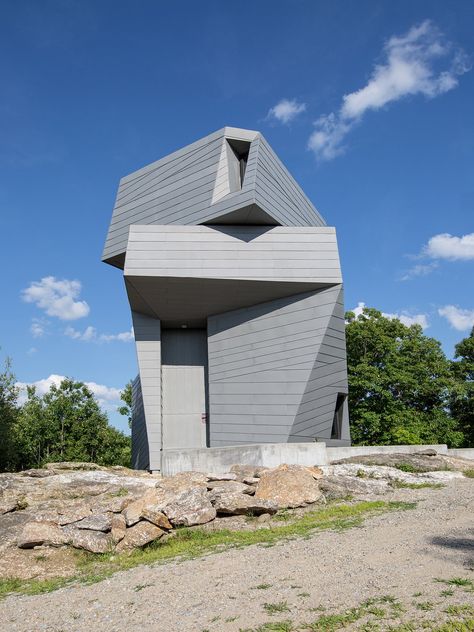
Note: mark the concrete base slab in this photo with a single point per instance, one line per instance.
(462, 453)
(219, 460)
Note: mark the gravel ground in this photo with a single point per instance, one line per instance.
(398, 554)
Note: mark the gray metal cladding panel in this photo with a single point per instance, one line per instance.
(277, 189)
(147, 333)
(290, 254)
(140, 448)
(249, 390)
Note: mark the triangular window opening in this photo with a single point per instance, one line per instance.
(338, 415)
(237, 159)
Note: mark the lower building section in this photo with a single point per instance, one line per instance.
(271, 373)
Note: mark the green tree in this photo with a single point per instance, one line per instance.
(399, 383)
(462, 397)
(67, 424)
(126, 408)
(8, 416)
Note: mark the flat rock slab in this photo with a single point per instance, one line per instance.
(39, 534)
(139, 535)
(288, 486)
(236, 503)
(92, 541)
(155, 515)
(95, 522)
(230, 486)
(190, 507)
(183, 481)
(417, 462)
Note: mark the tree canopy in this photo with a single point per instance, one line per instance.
(64, 424)
(400, 384)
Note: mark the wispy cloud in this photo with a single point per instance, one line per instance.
(421, 61)
(459, 319)
(57, 297)
(107, 396)
(38, 327)
(286, 110)
(90, 334)
(404, 316)
(419, 270)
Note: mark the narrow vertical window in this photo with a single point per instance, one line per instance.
(338, 414)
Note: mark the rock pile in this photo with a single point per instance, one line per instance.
(115, 509)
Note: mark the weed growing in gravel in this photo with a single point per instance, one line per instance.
(469, 473)
(424, 605)
(191, 543)
(449, 592)
(273, 608)
(262, 586)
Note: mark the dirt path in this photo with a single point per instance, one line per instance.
(398, 554)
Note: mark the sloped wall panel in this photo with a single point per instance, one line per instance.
(261, 360)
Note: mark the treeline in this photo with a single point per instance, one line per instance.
(402, 387)
(402, 390)
(64, 424)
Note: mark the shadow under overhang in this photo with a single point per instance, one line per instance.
(188, 302)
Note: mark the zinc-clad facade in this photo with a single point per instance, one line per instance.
(222, 250)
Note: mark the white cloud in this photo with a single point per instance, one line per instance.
(108, 397)
(90, 335)
(286, 110)
(446, 246)
(411, 67)
(404, 317)
(38, 327)
(460, 319)
(32, 351)
(57, 297)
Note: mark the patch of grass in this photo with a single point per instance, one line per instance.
(120, 492)
(417, 594)
(464, 625)
(449, 592)
(408, 467)
(273, 608)
(459, 609)
(195, 542)
(231, 619)
(469, 473)
(456, 581)
(333, 622)
(272, 626)
(404, 485)
(303, 595)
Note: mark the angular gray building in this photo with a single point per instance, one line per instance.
(235, 287)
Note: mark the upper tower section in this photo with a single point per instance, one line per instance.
(229, 177)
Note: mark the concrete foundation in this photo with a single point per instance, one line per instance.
(219, 460)
(462, 453)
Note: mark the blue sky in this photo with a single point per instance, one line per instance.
(369, 104)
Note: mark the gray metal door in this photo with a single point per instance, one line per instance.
(183, 384)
